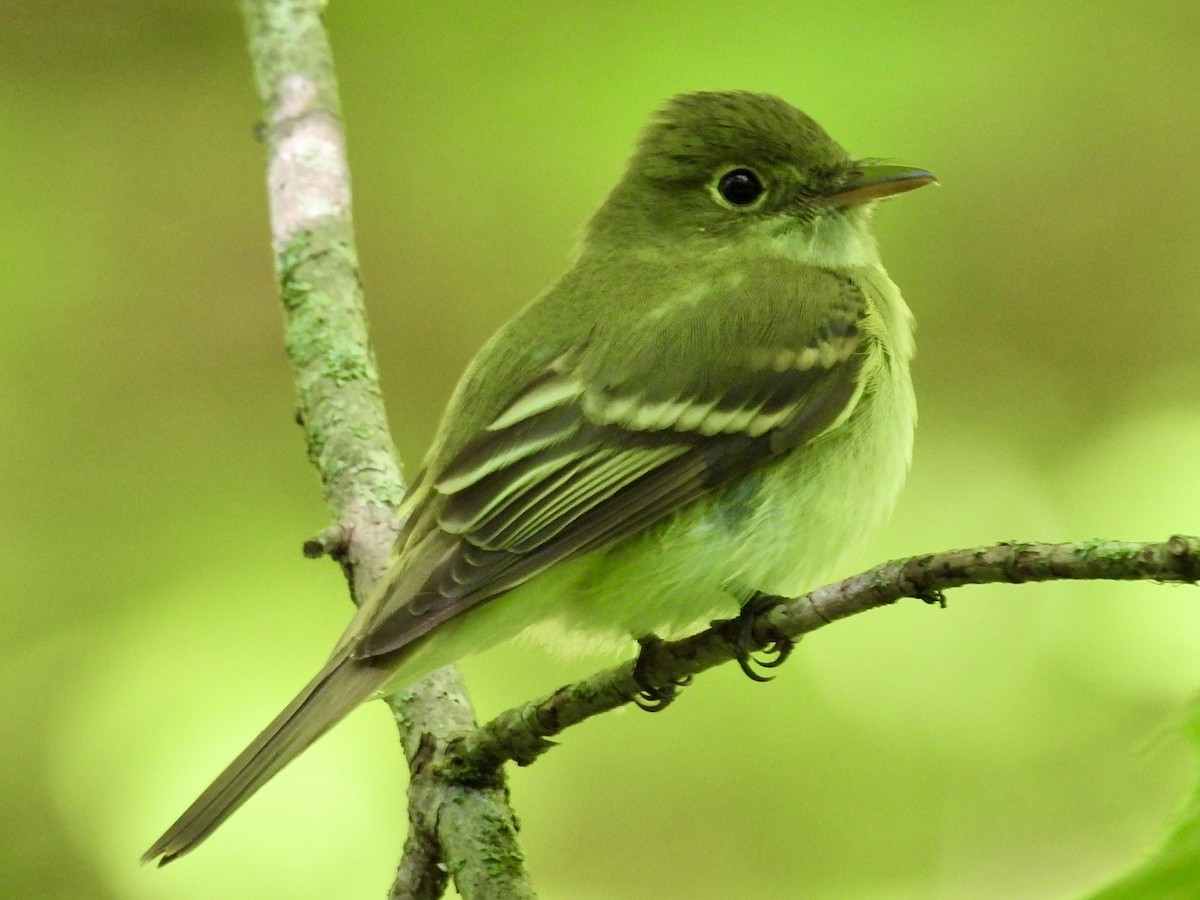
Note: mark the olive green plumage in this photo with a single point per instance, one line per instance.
(714, 400)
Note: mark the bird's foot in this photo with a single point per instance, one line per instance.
(653, 698)
(775, 654)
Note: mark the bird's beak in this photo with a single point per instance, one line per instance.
(866, 183)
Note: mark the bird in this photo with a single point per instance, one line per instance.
(713, 403)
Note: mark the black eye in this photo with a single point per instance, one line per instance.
(740, 187)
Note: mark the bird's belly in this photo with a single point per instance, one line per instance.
(782, 530)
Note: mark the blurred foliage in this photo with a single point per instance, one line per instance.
(1171, 871)
(154, 491)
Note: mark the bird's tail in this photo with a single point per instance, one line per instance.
(343, 684)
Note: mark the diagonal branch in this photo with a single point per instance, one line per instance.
(341, 411)
(523, 733)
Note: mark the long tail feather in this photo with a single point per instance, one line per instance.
(337, 689)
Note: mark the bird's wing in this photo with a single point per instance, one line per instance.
(604, 443)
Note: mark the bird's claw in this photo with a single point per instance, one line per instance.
(650, 697)
(776, 653)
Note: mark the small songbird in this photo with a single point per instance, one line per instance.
(713, 403)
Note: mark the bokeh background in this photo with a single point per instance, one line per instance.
(154, 491)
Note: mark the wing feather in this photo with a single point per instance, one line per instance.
(575, 462)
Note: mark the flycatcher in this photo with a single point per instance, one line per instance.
(712, 403)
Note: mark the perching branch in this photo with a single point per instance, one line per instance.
(470, 833)
(522, 733)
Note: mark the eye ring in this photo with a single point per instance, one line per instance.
(740, 187)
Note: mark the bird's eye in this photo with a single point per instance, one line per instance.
(740, 187)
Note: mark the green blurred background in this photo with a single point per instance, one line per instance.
(154, 491)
